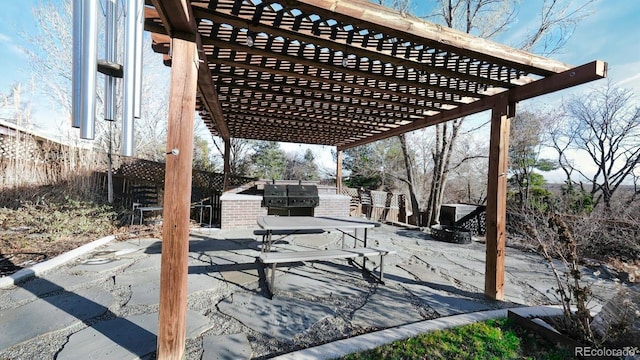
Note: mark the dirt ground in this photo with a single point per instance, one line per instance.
(21, 249)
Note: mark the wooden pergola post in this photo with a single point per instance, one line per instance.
(339, 171)
(497, 199)
(177, 197)
(227, 166)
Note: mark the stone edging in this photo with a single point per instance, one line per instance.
(370, 341)
(40, 268)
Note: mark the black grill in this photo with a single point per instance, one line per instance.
(290, 200)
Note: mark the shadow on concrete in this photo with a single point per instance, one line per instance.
(8, 265)
(413, 234)
(127, 334)
(442, 287)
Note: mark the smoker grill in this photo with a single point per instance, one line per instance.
(290, 200)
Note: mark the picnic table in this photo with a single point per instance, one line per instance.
(273, 225)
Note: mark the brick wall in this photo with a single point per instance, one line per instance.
(333, 205)
(241, 211)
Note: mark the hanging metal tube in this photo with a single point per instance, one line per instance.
(76, 64)
(89, 68)
(129, 78)
(137, 100)
(111, 46)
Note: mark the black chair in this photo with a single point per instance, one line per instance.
(199, 201)
(144, 199)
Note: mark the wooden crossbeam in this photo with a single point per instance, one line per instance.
(306, 36)
(368, 15)
(576, 76)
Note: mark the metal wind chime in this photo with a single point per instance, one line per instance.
(86, 65)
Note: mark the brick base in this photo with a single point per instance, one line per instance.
(241, 211)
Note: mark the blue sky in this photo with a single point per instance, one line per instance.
(611, 33)
(15, 16)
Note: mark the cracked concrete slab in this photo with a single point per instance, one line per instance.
(124, 338)
(282, 318)
(311, 282)
(444, 303)
(151, 261)
(101, 265)
(384, 308)
(430, 276)
(319, 301)
(51, 283)
(237, 269)
(50, 314)
(145, 286)
(226, 347)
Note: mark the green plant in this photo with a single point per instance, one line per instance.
(493, 339)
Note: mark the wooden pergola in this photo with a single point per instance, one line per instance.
(333, 72)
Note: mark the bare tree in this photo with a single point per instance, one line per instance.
(409, 166)
(239, 156)
(487, 19)
(558, 20)
(605, 125)
(400, 5)
(301, 166)
(13, 108)
(528, 133)
(50, 51)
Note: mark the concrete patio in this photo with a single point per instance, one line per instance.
(104, 304)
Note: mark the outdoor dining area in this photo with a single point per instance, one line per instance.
(333, 73)
(104, 304)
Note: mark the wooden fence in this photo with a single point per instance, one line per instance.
(377, 205)
(206, 186)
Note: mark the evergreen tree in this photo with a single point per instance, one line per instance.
(269, 160)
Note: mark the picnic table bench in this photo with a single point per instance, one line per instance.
(275, 258)
(273, 225)
(264, 234)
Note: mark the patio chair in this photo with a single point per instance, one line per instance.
(144, 199)
(199, 201)
(366, 203)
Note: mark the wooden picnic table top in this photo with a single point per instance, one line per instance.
(271, 222)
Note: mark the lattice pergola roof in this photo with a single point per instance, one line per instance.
(342, 73)
(333, 72)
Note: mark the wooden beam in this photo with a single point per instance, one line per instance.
(345, 122)
(311, 94)
(227, 164)
(339, 172)
(176, 17)
(301, 124)
(364, 14)
(356, 100)
(306, 36)
(497, 201)
(364, 74)
(177, 197)
(178, 21)
(295, 75)
(579, 75)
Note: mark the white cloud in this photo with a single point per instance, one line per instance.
(627, 76)
(9, 44)
(322, 154)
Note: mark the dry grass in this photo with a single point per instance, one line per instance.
(39, 222)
